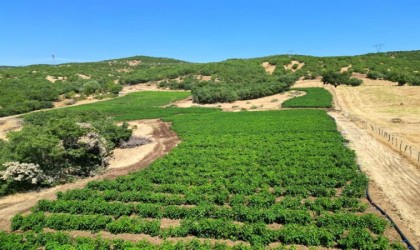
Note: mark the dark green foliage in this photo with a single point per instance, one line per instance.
(212, 92)
(335, 78)
(53, 140)
(313, 98)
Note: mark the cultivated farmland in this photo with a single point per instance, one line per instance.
(280, 176)
(273, 179)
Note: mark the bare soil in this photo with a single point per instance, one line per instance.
(134, 63)
(272, 102)
(53, 79)
(269, 68)
(290, 65)
(164, 139)
(8, 124)
(129, 156)
(84, 77)
(345, 69)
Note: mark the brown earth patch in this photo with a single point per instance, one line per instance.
(54, 79)
(345, 69)
(134, 63)
(84, 77)
(9, 124)
(290, 65)
(268, 67)
(168, 223)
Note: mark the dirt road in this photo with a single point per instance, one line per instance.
(396, 186)
(164, 138)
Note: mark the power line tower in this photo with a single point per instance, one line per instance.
(378, 47)
(289, 52)
(53, 59)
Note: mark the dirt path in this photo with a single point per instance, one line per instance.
(392, 175)
(164, 138)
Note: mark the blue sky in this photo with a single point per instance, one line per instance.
(202, 31)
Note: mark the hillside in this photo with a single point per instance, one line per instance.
(34, 87)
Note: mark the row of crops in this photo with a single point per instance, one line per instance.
(255, 178)
(313, 98)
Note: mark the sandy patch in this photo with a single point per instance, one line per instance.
(168, 223)
(290, 65)
(345, 69)
(391, 108)
(124, 70)
(203, 78)
(133, 63)
(54, 79)
(129, 156)
(308, 83)
(73, 102)
(268, 67)
(9, 124)
(272, 102)
(84, 77)
(149, 86)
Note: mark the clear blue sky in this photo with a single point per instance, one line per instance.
(201, 31)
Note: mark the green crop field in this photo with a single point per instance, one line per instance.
(314, 98)
(253, 177)
(141, 105)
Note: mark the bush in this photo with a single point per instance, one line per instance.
(54, 146)
(334, 78)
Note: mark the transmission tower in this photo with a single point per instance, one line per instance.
(53, 59)
(378, 47)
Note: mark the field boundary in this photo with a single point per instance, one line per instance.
(380, 133)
